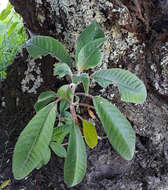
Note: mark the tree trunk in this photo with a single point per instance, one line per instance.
(136, 40)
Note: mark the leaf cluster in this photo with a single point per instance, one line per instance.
(56, 114)
(12, 37)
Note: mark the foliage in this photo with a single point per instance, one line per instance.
(32, 149)
(12, 37)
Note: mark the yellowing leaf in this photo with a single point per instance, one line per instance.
(38, 16)
(90, 134)
(4, 184)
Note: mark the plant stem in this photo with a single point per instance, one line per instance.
(57, 100)
(72, 108)
(85, 105)
(65, 144)
(80, 117)
(70, 76)
(83, 94)
(98, 137)
(74, 117)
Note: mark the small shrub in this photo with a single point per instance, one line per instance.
(56, 114)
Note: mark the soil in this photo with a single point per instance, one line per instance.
(147, 57)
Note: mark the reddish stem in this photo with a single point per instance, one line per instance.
(86, 105)
(72, 108)
(80, 117)
(83, 94)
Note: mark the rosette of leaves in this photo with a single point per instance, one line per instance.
(56, 115)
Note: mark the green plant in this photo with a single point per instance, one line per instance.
(12, 37)
(32, 149)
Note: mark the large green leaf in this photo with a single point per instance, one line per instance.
(65, 92)
(60, 132)
(90, 133)
(90, 56)
(75, 162)
(131, 88)
(33, 142)
(116, 126)
(84, 79)
(62, 69)
(58, 149)
(43, 45)
(44, 98)
(92, 32)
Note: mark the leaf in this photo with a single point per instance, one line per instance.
(130, 87)
(63, 106)
(116, 126)
(45, 158)
(60, 132)
(44, 99)
(90, 56)
(2, 29)
(40, 164)
(91, 33)
(65, 92)
(5, 183)
(75, 162)
(38, 16)
(77, 99)
(90, 133)
(21, 30)
(4, 14)
(67, 116)
(84, 79)
(33, 142)
(43, 45)
(58, 149)
(62, 69)
(12, 28)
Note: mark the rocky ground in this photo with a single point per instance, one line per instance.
(137, 40)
